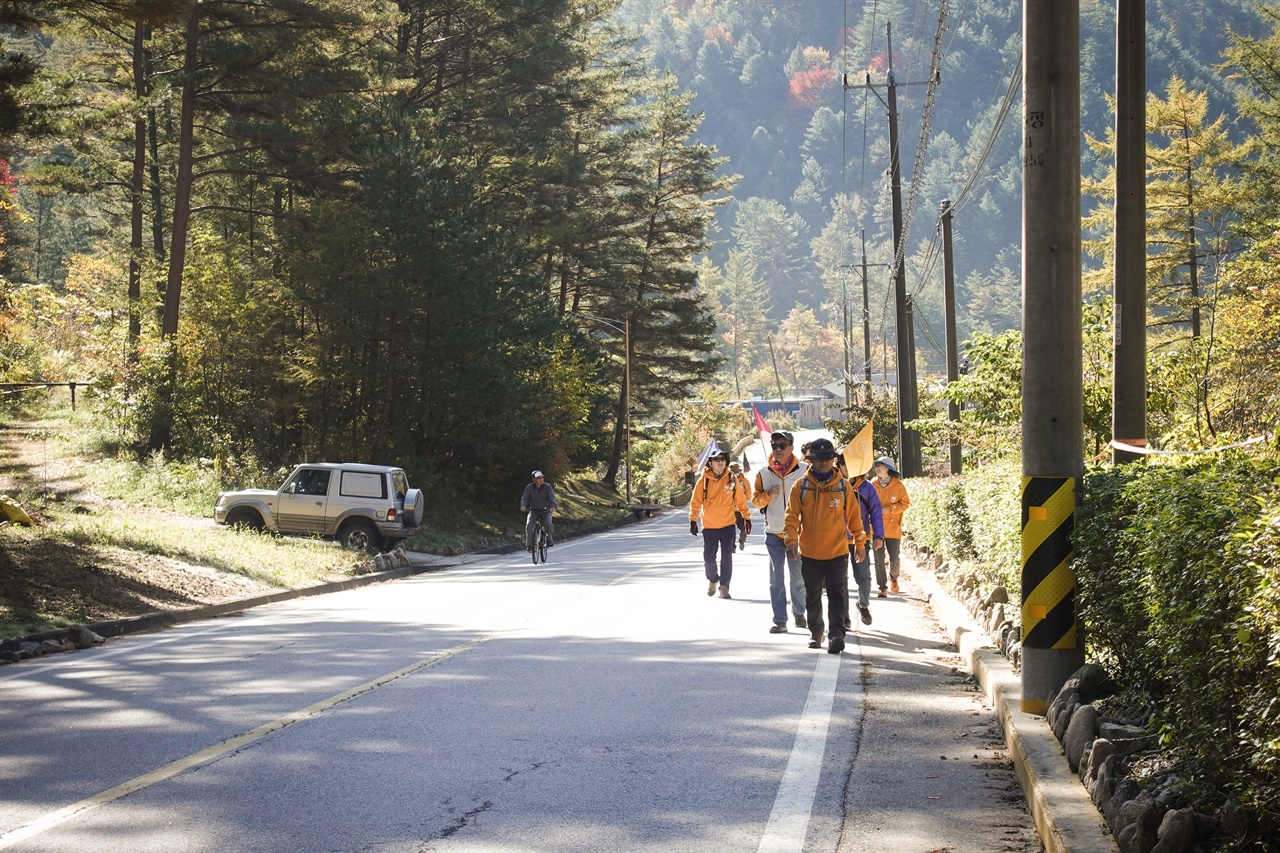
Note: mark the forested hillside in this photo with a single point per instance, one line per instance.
(337, 229)
(813, 153)
(435, 231)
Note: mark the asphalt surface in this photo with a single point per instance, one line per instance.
(598, 702)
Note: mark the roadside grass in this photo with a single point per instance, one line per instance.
(118, 537)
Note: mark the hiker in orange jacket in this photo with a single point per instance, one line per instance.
(718, 497)
(893, 502)
(823, 518)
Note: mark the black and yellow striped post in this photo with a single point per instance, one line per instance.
(1048, 583)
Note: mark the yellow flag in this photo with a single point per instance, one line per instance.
(859, 453)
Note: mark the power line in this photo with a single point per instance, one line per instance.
(917, 172)
(1002, 117)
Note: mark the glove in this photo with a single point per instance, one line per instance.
(738, 520)
(748, 527)
(693, 527)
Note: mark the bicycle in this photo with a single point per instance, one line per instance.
(539, 549)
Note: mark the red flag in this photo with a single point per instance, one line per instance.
(760, 424)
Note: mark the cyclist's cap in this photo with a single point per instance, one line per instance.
(822, 448)
(537, 475)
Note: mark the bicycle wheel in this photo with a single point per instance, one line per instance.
(537, 542)
(542, 542)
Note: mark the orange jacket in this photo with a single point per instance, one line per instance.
(894, 502)
(824, 518)
(718, 498)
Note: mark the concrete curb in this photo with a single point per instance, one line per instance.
(166, 618)
(1065, 816)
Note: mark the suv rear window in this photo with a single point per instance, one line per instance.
(355, 484)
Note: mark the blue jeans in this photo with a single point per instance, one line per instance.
(723, 539)
(778, 559)
(862, 577)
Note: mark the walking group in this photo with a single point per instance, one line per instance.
(816, 517)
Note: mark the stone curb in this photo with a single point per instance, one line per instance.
(167, 618)
(1065, 816)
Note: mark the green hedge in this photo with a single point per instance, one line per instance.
(973, 521)
(1177, 570)
(1178, 589)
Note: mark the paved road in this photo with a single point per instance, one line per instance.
(599, 702)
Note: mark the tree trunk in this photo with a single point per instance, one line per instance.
(182, 186)
(136, 190)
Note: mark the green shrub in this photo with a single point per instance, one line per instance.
(973, 521)
(1177, 571)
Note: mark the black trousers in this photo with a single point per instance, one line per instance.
(834, 576)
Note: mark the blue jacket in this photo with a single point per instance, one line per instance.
(872, 512)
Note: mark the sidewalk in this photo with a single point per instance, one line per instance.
(1065, 817)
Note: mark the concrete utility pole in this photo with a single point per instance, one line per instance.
(1052, 385)
(1129, 387)
(949, 299)
(867, 324)
(908, 394)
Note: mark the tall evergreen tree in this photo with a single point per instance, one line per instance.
(669, 204)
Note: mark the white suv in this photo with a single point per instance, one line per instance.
(360, 505)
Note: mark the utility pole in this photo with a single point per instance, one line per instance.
(949, 299)
(866, 320)
(866, 317)
(782, 399)
(908, 405)
(844, 335)
(1052, 385)
(1129, 323)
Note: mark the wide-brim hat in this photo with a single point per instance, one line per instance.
(887, 462)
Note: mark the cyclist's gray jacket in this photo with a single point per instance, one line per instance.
(538, 498)
(775, 509)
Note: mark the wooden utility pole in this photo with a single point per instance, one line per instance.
(1052, 384)
(908, 394)
(1129, 324)
(866, 318)
(949, 300)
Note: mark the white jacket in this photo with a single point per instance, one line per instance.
(775, 509)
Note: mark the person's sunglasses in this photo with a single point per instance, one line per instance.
(778, 446)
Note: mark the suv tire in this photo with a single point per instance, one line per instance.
(359, 536)
(246, 518)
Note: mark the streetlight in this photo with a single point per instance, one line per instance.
(625, 329)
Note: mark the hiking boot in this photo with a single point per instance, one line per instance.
(801, 622)
(711, 588)
(836, 646)
(815, 643)
(881, 594)
(724, 591)
(865, 612)
(778, 628)
(893, 586)
(848, 623)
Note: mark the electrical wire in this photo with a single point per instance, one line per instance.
(1002, 117)
(917, 172)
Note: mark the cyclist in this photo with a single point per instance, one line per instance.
(539, 500)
